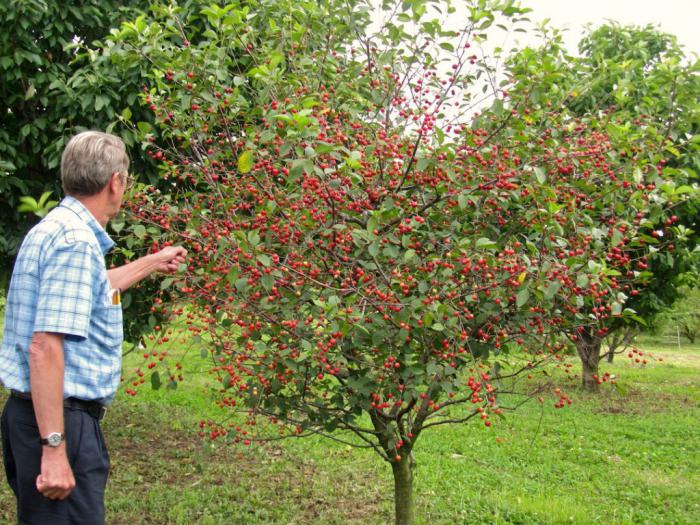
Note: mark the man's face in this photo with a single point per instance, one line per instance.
(123, 184)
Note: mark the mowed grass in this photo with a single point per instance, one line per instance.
(628, 455)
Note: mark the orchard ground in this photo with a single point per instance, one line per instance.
(629, 455)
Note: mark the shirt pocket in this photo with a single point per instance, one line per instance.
(114, 319)
(109, 333)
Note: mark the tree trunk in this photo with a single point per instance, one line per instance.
(623, 337)
(402, 468)
(403, 491)
(588, 348)
(590, 376)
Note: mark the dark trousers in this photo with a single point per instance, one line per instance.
(87, 456)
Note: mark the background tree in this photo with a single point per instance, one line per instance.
(57, 81)
(62, 74)
(47, 95)
(684, 317)
(639, 85)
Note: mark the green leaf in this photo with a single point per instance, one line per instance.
(540, 175)
(617, 237)
(423, 163)
(522, 297)
(486, 244)
(44, 198)
(245, 161)
(353, 160)
(462, 201)
(139, 230)
(551, 290)
(26, 208)
(100, 102)
(333, 300)
(241, 285)
(582, 280)
(253, 238)
(232, 275)
(268, 281)
(155, 380)
(30, 202)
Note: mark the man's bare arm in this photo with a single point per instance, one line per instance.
(56, 479)
(166, 260)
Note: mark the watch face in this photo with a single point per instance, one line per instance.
(54, 439)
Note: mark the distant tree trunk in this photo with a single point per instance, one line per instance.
(688, 333)
(610, 355)
(588, 347)
(620, 338)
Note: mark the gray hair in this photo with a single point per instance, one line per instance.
(89, 160)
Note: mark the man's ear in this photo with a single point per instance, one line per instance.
(114, 182)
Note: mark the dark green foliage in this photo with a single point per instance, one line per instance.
(50, 89)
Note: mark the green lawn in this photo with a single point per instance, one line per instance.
(628, 455)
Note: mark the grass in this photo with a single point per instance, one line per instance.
(627, 455)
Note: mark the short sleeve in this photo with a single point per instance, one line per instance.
(65, 291)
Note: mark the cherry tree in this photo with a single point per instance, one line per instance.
(368, 260)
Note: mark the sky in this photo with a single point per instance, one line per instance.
(678, 17)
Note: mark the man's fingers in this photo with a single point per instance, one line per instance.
(175, 262)
(56, 493)
(52, 492)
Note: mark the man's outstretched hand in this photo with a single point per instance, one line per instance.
(169, 259)
(166, 260)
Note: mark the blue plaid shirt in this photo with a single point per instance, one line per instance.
(59, 284)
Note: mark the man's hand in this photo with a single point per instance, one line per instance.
(56, 479)
(168, 259)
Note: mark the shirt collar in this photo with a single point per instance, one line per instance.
(105, 241)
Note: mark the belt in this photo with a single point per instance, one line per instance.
(94, 408)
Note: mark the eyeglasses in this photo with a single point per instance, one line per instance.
(129, 181)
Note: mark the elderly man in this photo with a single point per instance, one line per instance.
(61, 350)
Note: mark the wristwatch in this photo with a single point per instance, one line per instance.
(53, 439)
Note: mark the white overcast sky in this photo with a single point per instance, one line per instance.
(679, 17)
